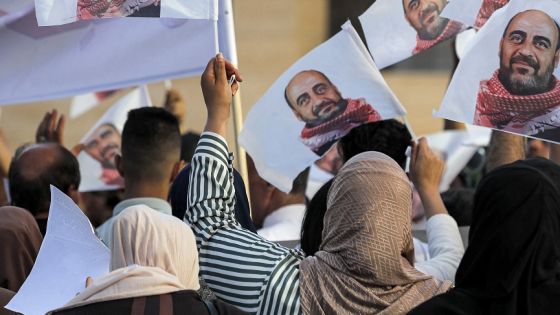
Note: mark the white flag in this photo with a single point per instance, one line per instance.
(508, 78)
(318, 100)
(398, 29)
(103, 142)
(82, 103)
(56, 12)
(70, 253)
(474, 12)
(101, 55)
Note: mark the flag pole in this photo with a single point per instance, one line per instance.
(226, 35)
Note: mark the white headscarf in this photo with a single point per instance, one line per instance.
(151, 254)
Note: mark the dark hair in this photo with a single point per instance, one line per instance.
(151, 140)
(299, 185)
(553, 20)
(286, 89)
(31, 190)
(312, 226)
(387, 136)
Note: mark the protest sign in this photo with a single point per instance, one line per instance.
(473, 13)
(56, 12)
(41, 63)
(507, 79)
(455, 148)
(103, 142)
(84, 102)
(70, 253)
(398, 29)
(319, 99)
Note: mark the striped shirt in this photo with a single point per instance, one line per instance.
(242, 268)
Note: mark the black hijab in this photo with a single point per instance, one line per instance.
(512, 264)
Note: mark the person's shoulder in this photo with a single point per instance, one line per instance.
(450, 303)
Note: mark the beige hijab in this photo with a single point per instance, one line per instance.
(365, 262)
(151, 253)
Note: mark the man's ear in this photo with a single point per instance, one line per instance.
(556, 58)
(177, 167)
(118, 163)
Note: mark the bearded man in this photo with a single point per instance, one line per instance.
(523, 95)
(423, 16)
(327, 115)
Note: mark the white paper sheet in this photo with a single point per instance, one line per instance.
(273, 134)
(471, 13)
(69, 254)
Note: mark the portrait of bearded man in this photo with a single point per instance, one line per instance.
(431, 28)
(95, 9)
(315, 100)
(523, 95)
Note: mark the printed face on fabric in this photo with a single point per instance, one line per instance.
(529, 53)
(104, 144)
(313, 98)
(423, 16)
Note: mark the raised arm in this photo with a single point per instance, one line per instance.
(444, 240)
(242, 268)
(504, 148)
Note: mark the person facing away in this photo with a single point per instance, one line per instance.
(176, 105)
(512, 264)
(33, 171)
(21, 239)
(371, 193)
(150, 161)
(154, 270)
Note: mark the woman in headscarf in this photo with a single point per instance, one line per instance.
(512, 264)
(154, 270)
(20, 240)
(369, 202)
(365, 261)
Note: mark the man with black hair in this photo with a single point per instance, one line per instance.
(33, 171)
(151, 148)
(277, 215)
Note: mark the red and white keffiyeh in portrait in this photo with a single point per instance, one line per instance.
(498, 108)
(92, 9)
(488, 7)
(451, 29)
(357, 112)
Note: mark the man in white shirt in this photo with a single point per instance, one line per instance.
(276, 214)
(150, 161)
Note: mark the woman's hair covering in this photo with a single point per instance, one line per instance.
(312, 226)
(178, 198)
(512, 264)
(20, 241)
(145, 237)
(365, 262)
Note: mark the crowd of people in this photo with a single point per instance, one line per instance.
(182, 239)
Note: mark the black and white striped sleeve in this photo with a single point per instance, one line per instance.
(241, 267)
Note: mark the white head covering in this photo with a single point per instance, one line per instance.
(151, 253)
